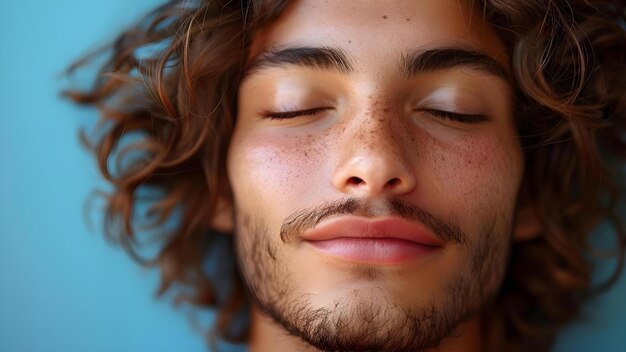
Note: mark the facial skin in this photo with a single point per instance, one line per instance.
(371, 146)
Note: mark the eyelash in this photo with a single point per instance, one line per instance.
(454, 116)
(442, 114)
(296, 113)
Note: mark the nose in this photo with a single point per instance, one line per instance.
(373, 161)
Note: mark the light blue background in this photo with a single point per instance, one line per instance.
(62, 287)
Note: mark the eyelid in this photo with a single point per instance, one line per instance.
(280, 115)
(455, 116)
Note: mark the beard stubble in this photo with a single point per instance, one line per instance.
(376, 322)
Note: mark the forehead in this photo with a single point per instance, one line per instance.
(377, 31)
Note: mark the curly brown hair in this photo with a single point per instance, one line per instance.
(170, 84)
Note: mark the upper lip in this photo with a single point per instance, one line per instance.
(393, 227)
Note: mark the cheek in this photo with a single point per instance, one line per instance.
(478, 175)
(274, 172)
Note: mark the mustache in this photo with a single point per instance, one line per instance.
(306, 219)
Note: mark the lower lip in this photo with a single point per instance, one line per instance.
(373, 250)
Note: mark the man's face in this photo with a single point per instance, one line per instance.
(369, 153)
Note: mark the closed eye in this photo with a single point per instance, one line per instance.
(455, 116)
(281, 115)
(442, 114)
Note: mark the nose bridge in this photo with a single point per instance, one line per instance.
(377, 134)
(374, 159)
(378, 124)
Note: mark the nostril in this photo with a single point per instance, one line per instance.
(393, 182)
(355, 181)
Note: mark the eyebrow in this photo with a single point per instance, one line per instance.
(411, 64)
(431, 60)
(325, 58)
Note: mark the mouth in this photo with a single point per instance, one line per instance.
(379, 241)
